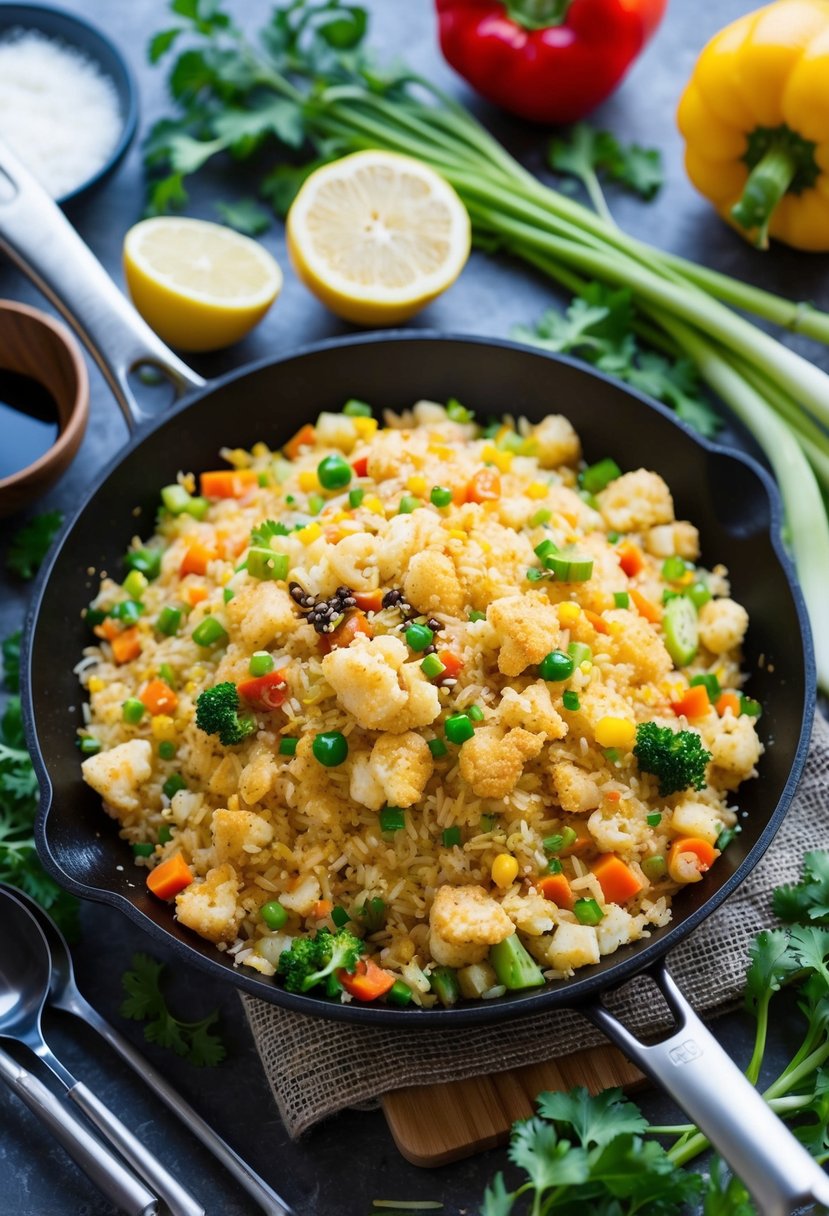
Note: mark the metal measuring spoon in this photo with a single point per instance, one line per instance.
(64, 994)
(25, 973)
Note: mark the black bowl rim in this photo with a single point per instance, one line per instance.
(130, 116)
(579, 991)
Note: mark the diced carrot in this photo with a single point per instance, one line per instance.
(321, 909)
(368, 981)
(556, 888)
(264, 692)
(197, 557)
(369, 601)
(613, 796)
(360, 466)
(647, 608)
(126, 646)
(693, 703)
(453, 665)
(333, 533)
(459, 495)
(305, 437)
(172, 876)
(344, 635)
(484, 486)
(703, 854)
(159, 697)
(728, 700)
(108, 629)
(631, 558)
(598, 622)
(228, 483)
(583, 841)
(618, 882)
(195, 595)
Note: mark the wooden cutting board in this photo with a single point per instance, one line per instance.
(435, 1124)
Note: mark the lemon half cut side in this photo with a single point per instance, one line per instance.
(200, 286)
(376, 236)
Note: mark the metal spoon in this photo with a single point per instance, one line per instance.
(64, 994)
(25, 972)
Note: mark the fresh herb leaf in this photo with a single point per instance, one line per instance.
(584, 153)
(260, 536)
(11, 661)
(772, 963)
(161, 42)
(144, 1002)
(283, 184)
(30, 544)
(594, 1120)
(245, 215)
(547, 1160)
(808, 900)
(725, 1194)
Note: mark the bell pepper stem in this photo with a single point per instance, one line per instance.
(538, 14)
(767, 183)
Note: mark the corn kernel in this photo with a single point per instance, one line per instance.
(504, 871)
(365, 427)
(440, 450)
(372, 503)
(485, 546)
(260, 449)
(501, 460)
(308, 481)
(162, 726)
(310, 534)
(417, 485)
(189, 482)
(615, 732)
(238, 457)
(225, 577)
(95, 684)
(585, 667)
(537, 489)
(568, 613)
(457, 534)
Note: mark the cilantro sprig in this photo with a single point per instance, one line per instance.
(589, 155)
(145, 1002)
(30, 544)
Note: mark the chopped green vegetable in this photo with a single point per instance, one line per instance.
(135, 584)
(265, 564)
(457, 412)
(355, 498)
(681, 629)
(598, 476)
(372, 913)
(569, 565)
(392, 819)
(655, 867)
(580, 653)
(408, 503)
(451, 837)
(334, 472)
(210, 632)
(570, 700)
(287, 745)
(217, 713)
(677, 758)
(144, 1002)
(438, 748)
(127, 611)
(166, 749)
(698, 593)
(274, 915)
(144, 849)
(556, 666)
(440, 496)
(89, 745)
(587, 912)
(674, 568)
(514, 967)
(477, 616)
(173, 784)
(458, 728)
(260, 663)
(260, 536)
(133, 710)
(621, 599)
(31, 543)
(399, 994)
(432, 666)
(711, 685)
(444, 983)
(310, 961)
(554, 866)
(418, 637)
(168, 621)
(330, 748)
(357, 409)
(584, 152)
(750, 707)
(654, 819)
(165, 833)
(542, 516)
(339, 916)
(475, 713)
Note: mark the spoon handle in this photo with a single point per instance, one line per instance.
(266, 1198)
(113, 1179)
(179, 1201)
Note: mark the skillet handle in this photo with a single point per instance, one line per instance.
(691, 1066)
(37, 236)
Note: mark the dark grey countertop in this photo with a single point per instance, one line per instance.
(341, 1166)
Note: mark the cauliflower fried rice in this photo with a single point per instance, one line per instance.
(443, 648)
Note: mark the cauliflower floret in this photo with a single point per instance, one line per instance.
(527, 628)
(312, 794)
(431, 584)
(620, 827)
(256, 778)
(680, 538)
(118, 774)
(635, 642)
(303, 897)
(363, 786)
(388, 454)
(722, 625)
(735, 750)
(404, 536)
(572, 946)
(464, 922)
(694, 818)
(575, 789)
(354, 561)
(335, 431)
(238, 834)
(532, 914)
(261, 612)
(402, 764)
(211, 907)
(378, 688)
(492, 762)
(557, 442)
(636, 501)
(533, 709)
(616, 928)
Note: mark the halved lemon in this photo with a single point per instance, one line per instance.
(376, 236)
(200, 286)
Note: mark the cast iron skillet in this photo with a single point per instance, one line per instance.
(728, 496)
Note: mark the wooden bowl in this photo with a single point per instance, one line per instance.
(35, 345)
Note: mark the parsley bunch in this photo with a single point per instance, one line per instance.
(145, 1003)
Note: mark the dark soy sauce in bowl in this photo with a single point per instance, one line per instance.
(28, 422)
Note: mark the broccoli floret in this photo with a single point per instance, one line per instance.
(314, 960)
(677, 758)
(217, 713)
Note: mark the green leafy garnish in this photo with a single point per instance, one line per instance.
(599, 326)
(807, 900)
(145, 1003)
(31, 543)
(585, 153)
(260, 536)
(245, 215)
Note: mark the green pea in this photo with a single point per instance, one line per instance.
(334, 472)
(330, 748)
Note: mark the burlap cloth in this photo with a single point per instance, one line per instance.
(316, 1068)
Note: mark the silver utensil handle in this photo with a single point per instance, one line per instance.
(256, 1187)
(37, 236)
(703, 1079)
(108, 1173)
(178, 1200)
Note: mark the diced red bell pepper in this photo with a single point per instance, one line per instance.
(264, 692)
(360, 466)
(368, 982)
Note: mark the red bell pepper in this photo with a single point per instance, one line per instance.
(264, 692)
(551, 61)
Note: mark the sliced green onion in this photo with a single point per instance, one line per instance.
(475, 615)
(135, 584)
(265, 564)
(408, 503)
(553, 844)
(569, 565)
(392, 819)
(339, 916)
(542, 516)
(570, 700)
(458, 728)
(354, 408)
(355, 497)
(165, 833)
(287, 745)
(209, 632)
(698, 593)
(535, 576)
(554, 866)
(197, 507)
(144, 849)
(168, 621)
(674, 568)
(432, 666)
(544, 547)
(726, 836)
(274, 915)
(612, 754)
(621, 599)
(487, 823)
(399, 994)
(228, 594)
(175, 499)
(456, 412)
(569, 837)
(146, 561)
(315, 504)
(89, 745)
(440, 496)
(475, 713)
(681, 630)
(372, 912)
(653, 820)
(580, 653)
(451, 836)
(127, 611)
(166, 749)
(173, 784)
(133, 710)
(438, 748)
(750, 707)
(167, 674)
(598, 475)
(587, 912)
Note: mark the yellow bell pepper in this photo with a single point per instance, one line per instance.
(755, 118)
